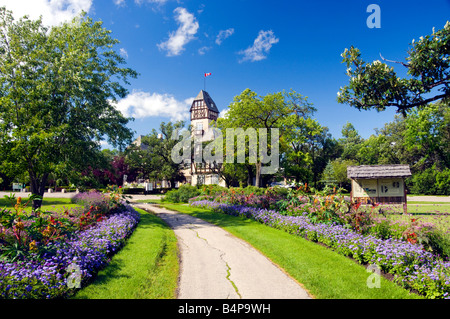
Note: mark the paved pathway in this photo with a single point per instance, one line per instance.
(217, 265)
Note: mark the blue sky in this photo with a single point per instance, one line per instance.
(267, 46)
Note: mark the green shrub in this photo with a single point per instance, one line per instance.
(430, 182)
(213, 190)
(423, 182)
(381, 228)
(438, 242)
(253, 190)
(182, 194)
(443, 182)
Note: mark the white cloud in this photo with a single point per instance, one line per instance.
(123, 53)
(186, 31)
(53, 12)
(223, 34)
(224, 113)
(119, 2)
(139, 104)
(261, 46)
(149, 1)
(203, 50)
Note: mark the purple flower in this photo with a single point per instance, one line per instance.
(410, 263)
(89, 250)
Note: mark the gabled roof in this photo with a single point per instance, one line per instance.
(378, 171)
(203, 95)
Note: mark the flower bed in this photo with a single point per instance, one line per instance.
(411, 265)
(77, 259)
(48, 255)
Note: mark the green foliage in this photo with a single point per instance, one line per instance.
(438, 242)
(152, 159)
(443, 182)
(350, 141)
(27, 235)
(377, 86)
(423, 182)
(213, 190)
(289, 112)
(56, 109)
(335, 173)
(182, 194)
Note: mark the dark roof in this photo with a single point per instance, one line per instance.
(203, 95)
(378, 171)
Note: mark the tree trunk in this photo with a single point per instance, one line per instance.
(38, 189)
(258, 175)
(250, 175)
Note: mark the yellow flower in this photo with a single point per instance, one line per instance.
(47, 232)
(33, 246)
(19, 225)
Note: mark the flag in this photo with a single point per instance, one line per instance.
(207, 74)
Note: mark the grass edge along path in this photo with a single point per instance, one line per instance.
(146, 267)
(323, 272)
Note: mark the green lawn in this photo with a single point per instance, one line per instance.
(48, 204)
(145, 268)
(323, 272)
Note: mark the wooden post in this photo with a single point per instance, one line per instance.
(351, 191)
(405, 204)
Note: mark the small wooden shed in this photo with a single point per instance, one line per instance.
(378, 183)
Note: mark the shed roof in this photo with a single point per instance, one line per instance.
(378, 171)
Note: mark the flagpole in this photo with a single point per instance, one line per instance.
(204, 81)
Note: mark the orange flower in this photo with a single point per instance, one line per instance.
(19, 200)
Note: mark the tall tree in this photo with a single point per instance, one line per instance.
(57, 89)
(377, 86)
(427, 132)
(152, 160)
(281, 110)
(350, 142)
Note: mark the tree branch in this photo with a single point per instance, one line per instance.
(402, 63)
